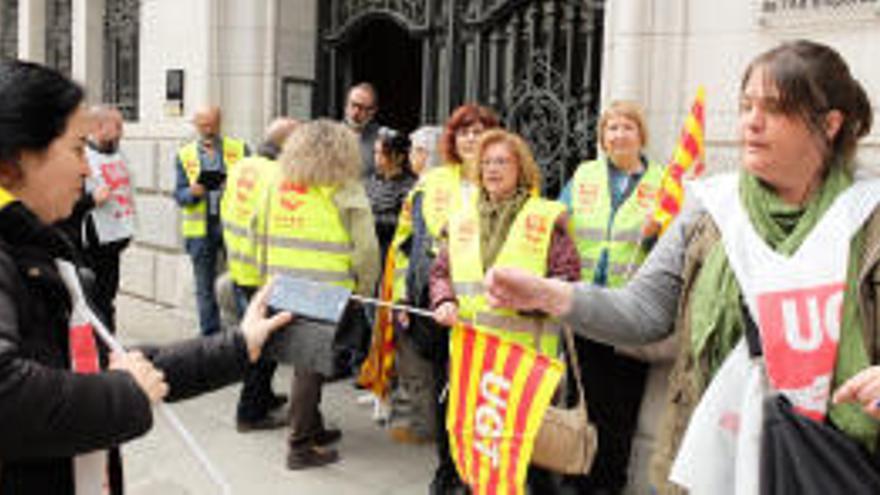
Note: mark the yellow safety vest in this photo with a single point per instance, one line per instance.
(194, 217)
(304, 236)
(443, 192)
(591, 209)
(242, 197)
(527, 247)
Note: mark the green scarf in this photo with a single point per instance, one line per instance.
(496, 217)
(716, 321)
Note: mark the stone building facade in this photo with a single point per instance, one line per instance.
(547, 66)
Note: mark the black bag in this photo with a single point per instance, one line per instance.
(326, 333)
(800, 456)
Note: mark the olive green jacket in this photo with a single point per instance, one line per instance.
(683, 393)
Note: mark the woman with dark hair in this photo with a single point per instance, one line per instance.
(389, 184)
(62, 407)
(775, 266)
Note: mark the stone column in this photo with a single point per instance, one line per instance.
(87, 46)
(31, 31)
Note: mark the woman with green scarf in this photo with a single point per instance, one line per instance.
(801, 116)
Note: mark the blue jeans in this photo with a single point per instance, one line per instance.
(203, 252)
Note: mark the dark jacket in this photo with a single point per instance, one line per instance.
(48, 414)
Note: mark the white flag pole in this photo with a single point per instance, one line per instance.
(68, 274)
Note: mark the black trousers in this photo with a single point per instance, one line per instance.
(614, 385)
(256, 396)
(104, 262)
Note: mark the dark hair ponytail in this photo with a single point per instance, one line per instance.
(35, 105)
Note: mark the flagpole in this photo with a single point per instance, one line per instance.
(68, 274)
(387, 304)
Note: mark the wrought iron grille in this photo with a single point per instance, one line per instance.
(536, 62)
(58, 33)
(346, 14)
(9, 29)
(121, 60)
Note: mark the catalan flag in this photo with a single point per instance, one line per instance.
(378, 368)
(498, 394)
(688, 158)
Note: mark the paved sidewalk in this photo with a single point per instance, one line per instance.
(254, 462)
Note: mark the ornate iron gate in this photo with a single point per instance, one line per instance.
(536, 62)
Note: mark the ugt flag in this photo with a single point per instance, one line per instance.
(498, 393)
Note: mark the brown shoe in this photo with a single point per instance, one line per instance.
(310, 457)
(327, 436)
(403, 434)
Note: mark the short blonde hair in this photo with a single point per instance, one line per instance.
(529, 173)
(321, 153)
(623, 108)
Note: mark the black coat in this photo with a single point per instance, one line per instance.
(48, 414)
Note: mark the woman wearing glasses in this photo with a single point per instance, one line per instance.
(507, 226)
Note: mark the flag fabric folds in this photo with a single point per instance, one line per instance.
(688, 158)
(377, 369)
(498, 393)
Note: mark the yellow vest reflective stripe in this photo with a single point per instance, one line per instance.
(193, 217)
(396, 255)
(591, 209)
(304, 236)
(526, 247)
(443, 192)
(241, 199)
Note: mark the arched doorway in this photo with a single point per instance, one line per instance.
(384, 54)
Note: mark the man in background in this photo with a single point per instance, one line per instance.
(202, 166)
(361, 106)
(242, 198)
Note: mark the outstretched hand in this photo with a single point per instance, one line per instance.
(518, 289)
(864, 389)
(256, 327)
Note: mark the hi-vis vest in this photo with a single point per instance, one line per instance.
(443, 193)
(303, 235)
(527, 247)
(193, 217)
(242, 197)
(591, 209)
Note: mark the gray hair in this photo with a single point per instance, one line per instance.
(428, 137)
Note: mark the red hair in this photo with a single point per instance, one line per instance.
(464, 116)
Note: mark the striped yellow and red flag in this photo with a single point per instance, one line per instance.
(498, 393)
(377, 369)
(688, 158)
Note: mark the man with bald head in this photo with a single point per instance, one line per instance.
(241, 199)
(102, 222)
(202, 166)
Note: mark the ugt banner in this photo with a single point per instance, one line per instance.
(498, 393)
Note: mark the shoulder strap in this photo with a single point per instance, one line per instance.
(571, 352)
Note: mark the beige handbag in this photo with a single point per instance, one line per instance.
(567, 442)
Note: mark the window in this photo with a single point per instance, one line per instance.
(9, 29)
(121, 60)
(58, 31)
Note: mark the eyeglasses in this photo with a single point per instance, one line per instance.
(501, 162)
(469, 132)
(361, 107)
